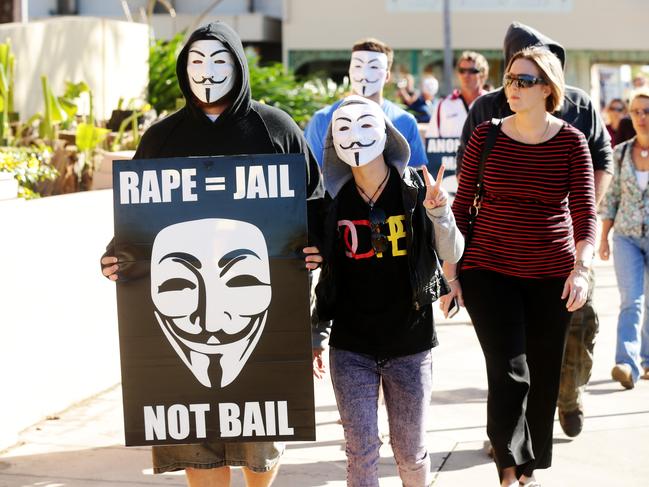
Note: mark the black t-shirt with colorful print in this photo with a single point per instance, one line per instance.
(375, 315)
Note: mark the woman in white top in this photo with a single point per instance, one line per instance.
(626, 209)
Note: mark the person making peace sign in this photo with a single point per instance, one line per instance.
(383, 234)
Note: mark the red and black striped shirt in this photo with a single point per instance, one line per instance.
(539, 199)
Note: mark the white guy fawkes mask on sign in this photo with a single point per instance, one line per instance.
(211, 70)
(367, 72)
(210, 285)
(358, 131)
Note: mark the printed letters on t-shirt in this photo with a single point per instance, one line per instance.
(356, 237)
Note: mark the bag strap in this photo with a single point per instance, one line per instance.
(474, 209)
(490, 141)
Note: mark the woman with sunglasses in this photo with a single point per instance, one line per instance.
(624, 210)
(384, 231)
(525, 267)
(619, 126)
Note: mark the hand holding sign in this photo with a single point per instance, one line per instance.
(312, 258)
(109, 267)
(436, 196)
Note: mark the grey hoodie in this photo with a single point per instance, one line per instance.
(577, 109)
(449, 243)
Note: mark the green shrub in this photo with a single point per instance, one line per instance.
(29, 165)
(163, 85)
(272, 84)
(275, 86)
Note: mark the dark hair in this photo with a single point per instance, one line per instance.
(374, 45)
(619, 101)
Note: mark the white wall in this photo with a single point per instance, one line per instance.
(113, 8)
(586, 24)
(111, 56)
(272, 8)
(250, 27)
(58, 325)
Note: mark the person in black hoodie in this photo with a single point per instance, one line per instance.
(578, 111)
(220, 118)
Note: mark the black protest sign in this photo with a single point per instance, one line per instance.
(212, 299)
(442, 150)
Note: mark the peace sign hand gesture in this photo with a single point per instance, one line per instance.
(436, 196)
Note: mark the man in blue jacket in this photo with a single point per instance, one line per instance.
(369, 70)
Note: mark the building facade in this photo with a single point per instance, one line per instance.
(603, 39)
(258, 22)
(317, 36)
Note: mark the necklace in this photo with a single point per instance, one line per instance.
(547, 127)
(371, 201)
(644, 151)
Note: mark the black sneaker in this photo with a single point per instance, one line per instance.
(571, 422)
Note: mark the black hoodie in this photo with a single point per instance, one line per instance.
(577, 107)
(246, 127)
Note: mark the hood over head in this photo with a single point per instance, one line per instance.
(519, 36)
(336, 172)
(240, 93)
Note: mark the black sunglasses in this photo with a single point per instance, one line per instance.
(378, 240)
(616, 109)
(522, 80)
(468, 70)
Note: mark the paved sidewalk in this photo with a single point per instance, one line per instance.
(81, 447)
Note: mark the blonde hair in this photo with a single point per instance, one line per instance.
(550, 71)
(639, 93)
(478, 59)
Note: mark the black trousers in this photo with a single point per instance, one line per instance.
(521, 325)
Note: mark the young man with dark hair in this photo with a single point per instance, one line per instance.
(369, 70)
(375, 45)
